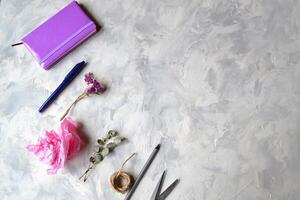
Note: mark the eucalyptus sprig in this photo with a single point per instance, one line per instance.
(103, 147)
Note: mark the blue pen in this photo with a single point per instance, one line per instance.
(67, 80)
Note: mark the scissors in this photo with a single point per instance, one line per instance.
(156, 193)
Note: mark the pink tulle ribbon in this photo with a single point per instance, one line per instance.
(55, 148)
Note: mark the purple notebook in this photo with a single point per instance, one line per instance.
(59, 35)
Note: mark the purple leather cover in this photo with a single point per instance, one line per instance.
(59, 35)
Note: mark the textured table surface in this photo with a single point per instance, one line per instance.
(216, 82)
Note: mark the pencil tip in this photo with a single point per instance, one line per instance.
(165, 171)
(157, 147)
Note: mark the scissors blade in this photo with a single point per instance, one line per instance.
(167, 191)
(158, 187)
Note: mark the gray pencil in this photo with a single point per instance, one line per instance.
(142, 173)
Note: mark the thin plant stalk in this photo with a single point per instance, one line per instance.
(80, 97)
(86, 173)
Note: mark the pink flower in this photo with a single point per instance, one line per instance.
(89, 78)
(55, 148)
(95, 87)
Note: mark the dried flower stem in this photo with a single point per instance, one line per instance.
(86, 173)
(80, 97)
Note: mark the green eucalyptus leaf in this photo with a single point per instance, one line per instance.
(92, 159)
(98, 148)
(117, 139)
(105, 151)
(100, 141)
(111, 145)
(112, 133)
(98, 158)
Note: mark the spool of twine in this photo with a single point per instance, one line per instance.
(121, 181)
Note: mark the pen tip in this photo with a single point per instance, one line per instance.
(157, 147)
(41, 109)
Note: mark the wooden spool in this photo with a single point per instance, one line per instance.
(121, 181)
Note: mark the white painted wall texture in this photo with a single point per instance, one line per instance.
(216, 82)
